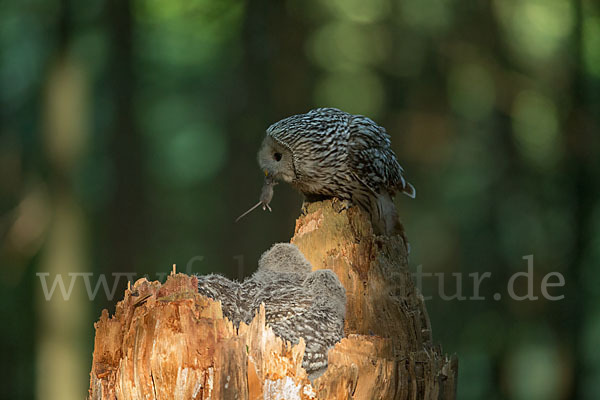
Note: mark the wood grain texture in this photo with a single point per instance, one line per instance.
(168, 342)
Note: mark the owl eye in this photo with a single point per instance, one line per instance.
(277, 156)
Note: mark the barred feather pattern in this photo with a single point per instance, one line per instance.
(299, 302)
(232, 295)
(336, 154)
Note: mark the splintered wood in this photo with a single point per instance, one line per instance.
(168, 342)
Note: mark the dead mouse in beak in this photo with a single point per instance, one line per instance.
(266, 195)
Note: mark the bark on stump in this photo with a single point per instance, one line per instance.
(168, 342)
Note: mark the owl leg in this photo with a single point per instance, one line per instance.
(304, 208)
(385, 218)
(340, 205)
(311, 198)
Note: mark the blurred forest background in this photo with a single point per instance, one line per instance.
(128, 134)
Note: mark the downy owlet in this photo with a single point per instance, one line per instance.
(299, 302)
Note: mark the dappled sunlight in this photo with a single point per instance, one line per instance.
(536, 29)
(426, 15)
(535, 369)
(360, 11)
(342, 45)
(184, 33)
(187, 146)
(471, 91)
(591, 45)
(536, 129)
(359, 92)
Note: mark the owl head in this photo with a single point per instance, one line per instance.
(327, 290)
(284, 258)
(276, 160)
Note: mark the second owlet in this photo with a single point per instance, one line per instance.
(299, 302)
(330, 153)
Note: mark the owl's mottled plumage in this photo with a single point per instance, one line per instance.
(234, 297)
(330, 153)
(299, 302)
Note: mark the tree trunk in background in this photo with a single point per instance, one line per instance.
(582, 145)
(125, 146)
(265, 92)
(168, 342)
(63, 321)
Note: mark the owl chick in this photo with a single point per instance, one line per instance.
(300, 303)
(327, 312)
(234, 303)
(330, 153)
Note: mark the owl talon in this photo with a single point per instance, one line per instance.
(304, 208)
(342, 205)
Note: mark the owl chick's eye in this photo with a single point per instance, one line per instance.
(277, 156)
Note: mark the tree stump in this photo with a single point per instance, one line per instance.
(168, 342)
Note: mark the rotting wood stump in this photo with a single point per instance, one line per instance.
(168, 342)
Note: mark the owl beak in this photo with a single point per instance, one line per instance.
(266, 171)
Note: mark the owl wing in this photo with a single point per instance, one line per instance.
(287, 310)
(371, 159)
(297, 311)
(295, 316)
(323, 333)
(220, 288)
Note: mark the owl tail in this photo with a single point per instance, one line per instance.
(386, 216)
(409, 189)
